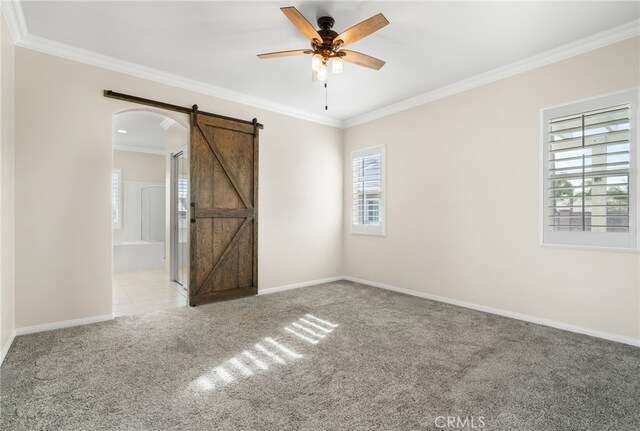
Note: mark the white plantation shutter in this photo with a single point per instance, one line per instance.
(183, 195)
(116, 193)
(589, 172)
(367, 191)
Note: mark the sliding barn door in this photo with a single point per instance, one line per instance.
(224, 209)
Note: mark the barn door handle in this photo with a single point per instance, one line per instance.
(193, 212)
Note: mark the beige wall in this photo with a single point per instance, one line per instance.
(450, 163)
(7, 275)
(63, 166)
(140, 166)
(463, 201)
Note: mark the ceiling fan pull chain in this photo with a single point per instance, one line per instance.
(326, 97)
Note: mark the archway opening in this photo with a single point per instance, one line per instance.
(149, 194)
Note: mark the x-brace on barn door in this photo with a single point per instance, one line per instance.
(224, 209)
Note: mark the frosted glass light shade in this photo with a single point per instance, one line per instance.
(336, 65)
(316, 62)
(322, 72)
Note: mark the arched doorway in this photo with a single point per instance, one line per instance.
(145, 210)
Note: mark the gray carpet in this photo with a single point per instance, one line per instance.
(278, 362)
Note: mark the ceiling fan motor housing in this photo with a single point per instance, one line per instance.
(328, 35)
(326, 22)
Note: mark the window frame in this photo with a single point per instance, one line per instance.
(183, 185)
(620, 241)
(118, 224)
(372, 229)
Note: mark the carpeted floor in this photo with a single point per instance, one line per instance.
(339, 356)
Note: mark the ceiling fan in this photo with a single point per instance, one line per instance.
(326, 44)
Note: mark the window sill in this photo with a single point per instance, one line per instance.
(592, 248)
(368, 234)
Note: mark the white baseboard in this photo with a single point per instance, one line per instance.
(94, 319)
(64, 324)
(268, 290)
(465, 304)
(513, 315)
(505, 313)
(7, 346)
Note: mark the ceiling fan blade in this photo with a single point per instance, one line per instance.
(302, 24)
(362, 59)
(285, 53)
(361, 30)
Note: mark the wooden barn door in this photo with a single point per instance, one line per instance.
(224, 209)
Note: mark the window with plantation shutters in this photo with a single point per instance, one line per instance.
(183, 197)
(589, 172)
(116, 197)
(367, 191)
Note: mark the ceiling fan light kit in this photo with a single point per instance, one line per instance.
(316, 62)
(327, 44)
(336, 65)
(321, 74)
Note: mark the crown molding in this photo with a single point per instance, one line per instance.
(167, 123)
(21, 37)
(50, 47)
(18, 29)
(135, 149)
(598, 40)
(12, 11)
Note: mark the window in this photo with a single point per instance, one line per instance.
(183, 195)
(589, 172)
(116, 197)
(372, 210)
(367, 192)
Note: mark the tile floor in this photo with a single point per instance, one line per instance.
(138, 292)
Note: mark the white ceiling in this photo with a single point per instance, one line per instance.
(427, 46)
(145, 131)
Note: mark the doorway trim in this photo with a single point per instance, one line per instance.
(173, 219)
